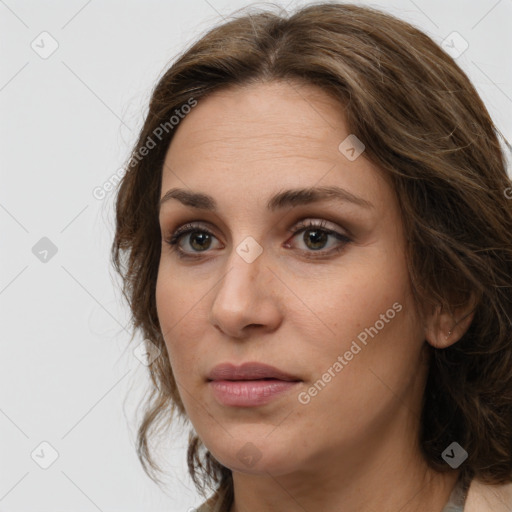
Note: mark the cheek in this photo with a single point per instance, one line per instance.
(177, 309)
(356, 294)
(366, 315)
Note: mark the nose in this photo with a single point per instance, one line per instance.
(246, 299)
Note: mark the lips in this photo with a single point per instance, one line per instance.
(249, 371)
(249, 385)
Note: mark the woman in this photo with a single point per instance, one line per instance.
(344, 341)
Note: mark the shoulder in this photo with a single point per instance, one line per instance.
(205, 507)
(484, 497)
(208, 506)
(216, 503)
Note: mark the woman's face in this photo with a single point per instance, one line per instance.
(330, 306)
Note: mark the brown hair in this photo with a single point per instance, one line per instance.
(425, 126)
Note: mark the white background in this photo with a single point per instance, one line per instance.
(68, 374)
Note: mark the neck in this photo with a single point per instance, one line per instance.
(383, 475)
(427, 492)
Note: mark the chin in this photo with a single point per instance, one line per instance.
(257, 456)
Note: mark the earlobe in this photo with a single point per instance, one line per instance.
(444, 328)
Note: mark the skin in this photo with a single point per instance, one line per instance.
(357, 438)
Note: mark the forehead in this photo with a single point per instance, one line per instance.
(270, 116)
(252, 139)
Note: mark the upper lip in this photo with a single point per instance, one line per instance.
(248, 371)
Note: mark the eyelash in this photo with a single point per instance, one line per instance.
(301, 227)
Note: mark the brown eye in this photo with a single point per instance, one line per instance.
(196, 237)
(200, 240)
(316, 237)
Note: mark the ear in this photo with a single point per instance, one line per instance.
(444, 328)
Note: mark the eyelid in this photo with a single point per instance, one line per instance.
(309, 223)
(297, 226)
(303, 225)
(189, 227)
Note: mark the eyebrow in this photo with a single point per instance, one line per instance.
(292, 197)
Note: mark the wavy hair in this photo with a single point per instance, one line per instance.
(425, 126)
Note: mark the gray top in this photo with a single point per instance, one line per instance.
(457, 498)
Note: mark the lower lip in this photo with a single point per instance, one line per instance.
(249, 393)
